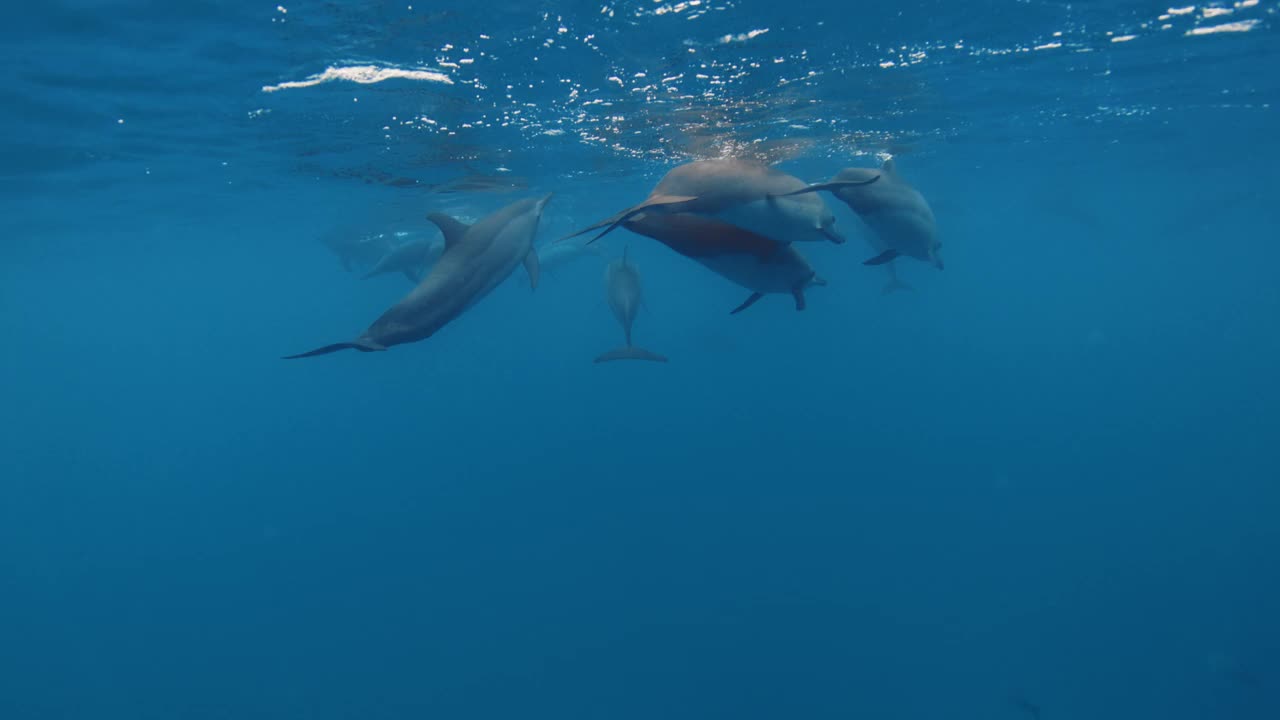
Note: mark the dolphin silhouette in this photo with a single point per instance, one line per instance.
(897, 213)
(410, 259)
(476, 259)
(622, 291)
(741, 256)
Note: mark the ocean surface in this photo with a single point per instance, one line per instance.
(1043, 483)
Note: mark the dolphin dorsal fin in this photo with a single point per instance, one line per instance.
(890, 168)
(452, 228)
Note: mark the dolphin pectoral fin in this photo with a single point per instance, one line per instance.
(894, 283)
(817, 281)
(412, 275)
(630, 353)
(452, 228)
(533, 268)
(830, 186)
(797, 292)
(832, 235)
(747, 303)
(882, 258)
(361, 345)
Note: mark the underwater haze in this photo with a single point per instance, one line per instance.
(1043, 482)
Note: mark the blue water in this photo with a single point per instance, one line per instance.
(1047, 476)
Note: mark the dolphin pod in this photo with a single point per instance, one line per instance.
(738, 218)
(476, 259)
(622, 291)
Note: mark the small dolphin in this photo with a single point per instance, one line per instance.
(476, 259)
(622, 290)
(896, 212)
(557, 255)
(733, 253)
(410, 258)
(746, 193)
(354, 249)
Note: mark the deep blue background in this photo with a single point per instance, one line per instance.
(1050, 472)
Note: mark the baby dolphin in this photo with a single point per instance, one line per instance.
(622, 290)
(896, 212)
(476, 259)
(410, 259)
(746, 193)
(733, 253)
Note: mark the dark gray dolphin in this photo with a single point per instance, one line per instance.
(746, 193)
(476, 259)
(897, 213)
(622, 291)
(410, 259)
(733, 253)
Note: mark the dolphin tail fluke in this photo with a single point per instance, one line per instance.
(830, 186)
(361, 345)
(608, 224)
(630, 352)
(665, 203)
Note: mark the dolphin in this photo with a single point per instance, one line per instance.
(354, 249)
(476, 259)
(557, 255)
(746, 193)
(622, 290)
(733, 253)
(410, 258)
(896, 212)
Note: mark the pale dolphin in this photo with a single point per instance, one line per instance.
(746, 193)
(622, 291)
(554, 256)
(732, 252)
(476, 259)
(410, 259)
(896, 212)
(355, 250)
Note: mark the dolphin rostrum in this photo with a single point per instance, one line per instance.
(622, 290)
(732, 252)
(476, 259)
(746, 193)
(897, 213)
(410, 259)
